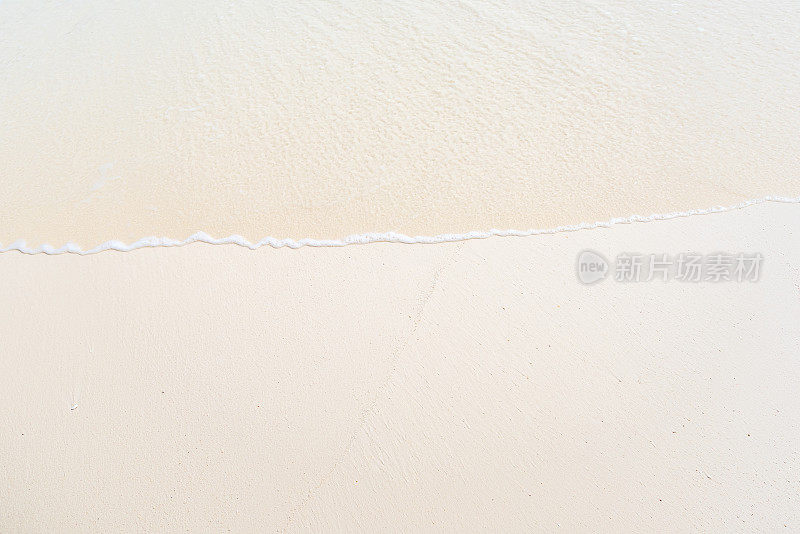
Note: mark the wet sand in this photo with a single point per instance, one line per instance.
(463, 386)
(460, 386)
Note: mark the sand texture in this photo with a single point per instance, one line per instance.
(456, 387)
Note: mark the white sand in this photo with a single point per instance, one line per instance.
(464, 386)
(312, 118)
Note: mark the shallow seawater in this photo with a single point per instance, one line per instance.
(316, 119)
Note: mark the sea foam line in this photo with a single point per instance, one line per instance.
(388, 237)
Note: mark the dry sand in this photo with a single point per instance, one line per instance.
(320, 119)
(460, 387)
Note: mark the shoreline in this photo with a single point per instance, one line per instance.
(361, 239)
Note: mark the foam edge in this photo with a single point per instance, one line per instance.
(388, 237)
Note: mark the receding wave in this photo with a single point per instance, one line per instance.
(361, 239)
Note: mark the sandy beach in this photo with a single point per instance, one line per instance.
(505, 384)
(461, 386)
